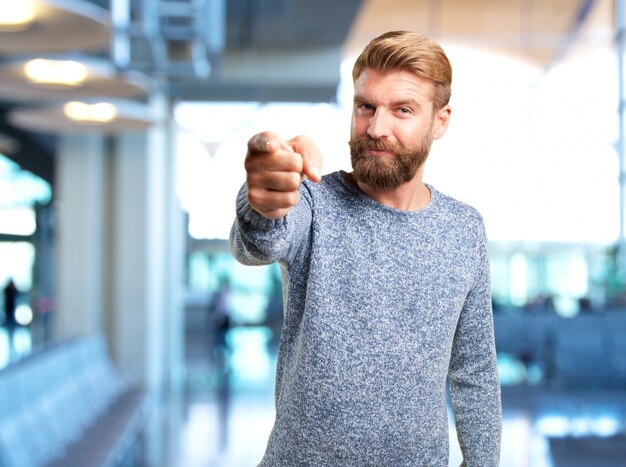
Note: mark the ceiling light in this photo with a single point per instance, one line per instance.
(16, 15)
(101, 112)
(85, 116)
(55, 73)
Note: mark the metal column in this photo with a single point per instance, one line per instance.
(620, 44)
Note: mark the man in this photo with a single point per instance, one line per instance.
(386, 281)
(10, 303)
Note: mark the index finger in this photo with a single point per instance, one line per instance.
(267, 142)
(311, 157)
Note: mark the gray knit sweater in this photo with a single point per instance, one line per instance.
(381, 307)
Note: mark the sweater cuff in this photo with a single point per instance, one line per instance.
(246, 214)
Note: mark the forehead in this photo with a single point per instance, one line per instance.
(392, 86)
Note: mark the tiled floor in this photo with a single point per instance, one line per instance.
(225, 421)
(542, 427)
(525, 443)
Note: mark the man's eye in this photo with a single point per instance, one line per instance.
(364, 108)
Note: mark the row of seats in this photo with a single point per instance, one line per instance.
(67, 406)
(586, 349)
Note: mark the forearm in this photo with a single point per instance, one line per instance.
(257, 240)
(476, 403)
(473, 376)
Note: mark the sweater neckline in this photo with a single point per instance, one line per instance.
(342, 177)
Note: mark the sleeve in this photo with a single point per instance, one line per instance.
(257, 240)
(473, 374)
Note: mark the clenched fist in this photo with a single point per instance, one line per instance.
(274, 170)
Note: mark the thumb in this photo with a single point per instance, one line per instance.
(311, 157)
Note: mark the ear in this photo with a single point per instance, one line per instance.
(441, 121)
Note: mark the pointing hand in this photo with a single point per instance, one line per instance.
(275, 168)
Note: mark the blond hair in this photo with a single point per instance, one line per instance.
(409, 51)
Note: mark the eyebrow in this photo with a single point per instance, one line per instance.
(398, 103)
(406, 102)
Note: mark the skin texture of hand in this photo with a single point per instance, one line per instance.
(274, 170)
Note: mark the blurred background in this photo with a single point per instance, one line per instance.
(123, 129)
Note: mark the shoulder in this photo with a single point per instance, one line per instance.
(330, 185)
(332, 179)
(457, 212)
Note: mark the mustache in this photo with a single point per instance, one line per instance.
(366, 142)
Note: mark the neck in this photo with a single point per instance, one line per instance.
(411, 196)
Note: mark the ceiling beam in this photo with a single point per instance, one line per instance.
(228, 92)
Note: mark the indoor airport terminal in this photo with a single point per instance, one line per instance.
(132, 333)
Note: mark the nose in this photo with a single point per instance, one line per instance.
(379, 126)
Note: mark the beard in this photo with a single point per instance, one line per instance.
(387, 173)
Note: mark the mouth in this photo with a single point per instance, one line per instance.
(378, 153)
